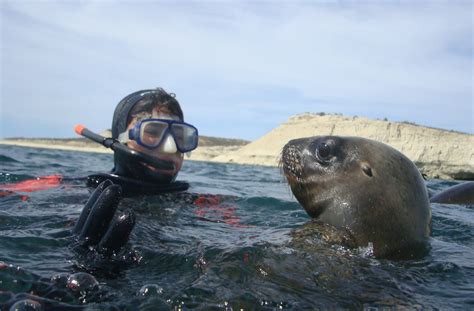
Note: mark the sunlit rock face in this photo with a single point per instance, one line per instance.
(437, 153)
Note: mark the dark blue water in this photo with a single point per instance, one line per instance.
(235, 254)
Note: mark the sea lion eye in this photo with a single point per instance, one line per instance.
(324, 151)
(367, 169)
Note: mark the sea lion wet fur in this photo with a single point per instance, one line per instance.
(362, 186)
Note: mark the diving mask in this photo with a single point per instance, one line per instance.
(151, 133)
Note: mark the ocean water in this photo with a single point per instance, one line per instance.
(233, 254)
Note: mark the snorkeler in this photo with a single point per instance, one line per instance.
(149, 140)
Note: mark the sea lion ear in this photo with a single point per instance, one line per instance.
(366, 168)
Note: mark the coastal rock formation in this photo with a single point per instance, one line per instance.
(437, 153)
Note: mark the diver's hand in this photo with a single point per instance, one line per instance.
(97, 228)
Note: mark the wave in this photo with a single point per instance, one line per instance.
(5, 159)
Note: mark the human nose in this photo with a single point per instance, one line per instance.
(169, 145)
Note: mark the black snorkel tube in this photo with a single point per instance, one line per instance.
(118, 147)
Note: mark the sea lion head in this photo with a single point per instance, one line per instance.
(360, 185)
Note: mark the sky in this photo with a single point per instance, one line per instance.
(238, 68)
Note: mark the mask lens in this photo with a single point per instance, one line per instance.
(185, 136)
(152, 132)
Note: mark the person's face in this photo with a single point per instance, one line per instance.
(166, 150)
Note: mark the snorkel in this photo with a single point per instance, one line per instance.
(123, 150)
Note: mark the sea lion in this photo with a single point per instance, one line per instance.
(462, 194)
(361, 186)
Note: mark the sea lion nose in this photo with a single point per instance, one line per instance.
(291, 161)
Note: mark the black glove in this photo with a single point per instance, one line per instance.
(97, 229)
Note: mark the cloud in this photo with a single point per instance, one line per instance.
(239, 63)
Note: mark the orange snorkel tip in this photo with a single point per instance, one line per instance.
(83, 131)
(79, 129)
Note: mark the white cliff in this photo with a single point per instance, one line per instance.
(438, 153)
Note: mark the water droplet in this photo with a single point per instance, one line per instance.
(262, 272)
(82, 282)
(60, 279)
(150, 290)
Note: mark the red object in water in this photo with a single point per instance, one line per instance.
(211, 209)
(32, 185)
(207, 201)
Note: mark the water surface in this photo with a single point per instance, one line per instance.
(235, 253)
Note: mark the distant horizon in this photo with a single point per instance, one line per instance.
(239, 68)
(242, 139)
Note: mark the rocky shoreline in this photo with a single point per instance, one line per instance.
(437, 153)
